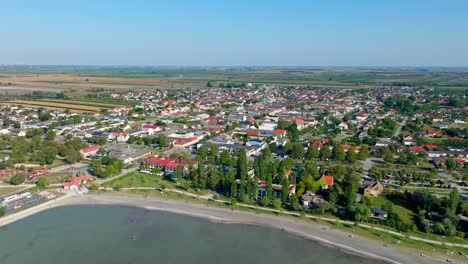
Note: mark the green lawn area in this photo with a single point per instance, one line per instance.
(405, 214)
(8, 190)
(136, 179)
(59, 177)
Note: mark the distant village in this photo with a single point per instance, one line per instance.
(394, 156)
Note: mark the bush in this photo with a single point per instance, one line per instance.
(18, 179)
(42, 181)
(265, 201)
(233, 202)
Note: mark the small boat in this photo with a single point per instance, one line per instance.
(133, 237)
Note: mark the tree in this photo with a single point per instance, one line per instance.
(203, 152)
(339, 171)
(312, 153)
(284, 190)
(297, 151)
(450, 164)
(265, 201)
(50, 135)
(325, 152)
(42, 181)
(350, 188)
(363, 153)
(162, 139)
(387, 154)
(226, 158)
(338, 153)
(452, 201)
(179, 172)
(294, 202)
(2, 210)
(277, 204)
(18, 179)
(361, 213)
(351, 156)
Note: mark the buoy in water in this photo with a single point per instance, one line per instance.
(133, 237)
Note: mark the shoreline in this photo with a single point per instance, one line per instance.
(320, 233)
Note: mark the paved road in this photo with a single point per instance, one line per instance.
(125, 171)
(400, 125)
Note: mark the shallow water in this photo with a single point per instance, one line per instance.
(103, 234)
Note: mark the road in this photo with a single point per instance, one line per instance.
(400, 125)
(124, 171)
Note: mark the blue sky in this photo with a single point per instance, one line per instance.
(235, 33)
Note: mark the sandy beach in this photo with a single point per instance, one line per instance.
(332, 237)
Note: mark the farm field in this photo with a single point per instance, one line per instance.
(74, 78)
(77, 108)
(101, 105)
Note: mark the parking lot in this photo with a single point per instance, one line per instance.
(29, 201)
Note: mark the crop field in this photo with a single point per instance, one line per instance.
(77, 108)
(97, 104)
(15, 79)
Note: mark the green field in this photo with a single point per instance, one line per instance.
(405, 214)
(450, 80)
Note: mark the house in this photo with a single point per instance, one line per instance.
(89, 151)
(326, 181)
(373, 189)
(416, 149)
(343, 126)
(123, 137)
(310, 200)
(348, 147)
(280, 132)
(383, 142)
(168, 164)
(75, 183)
(378, 213)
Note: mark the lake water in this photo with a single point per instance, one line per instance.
(103, 234)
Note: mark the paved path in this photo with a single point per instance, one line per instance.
(124, 172)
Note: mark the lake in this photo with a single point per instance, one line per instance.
(126, 235)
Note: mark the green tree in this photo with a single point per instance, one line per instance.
(277, 204)
(361, 213)
(50, 135)
(42, 181)
(18, 179)
(387, 154)
(338, 153)
(2, 210)
(452, 201)
(179, 172)
(297, 151)
(351, 155)
(162, 140)
(450, 164)
(226, 158)
(265, 201)
(312, 153)
(325, 152)
(363, 153)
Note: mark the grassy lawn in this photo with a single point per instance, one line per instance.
(405, 214)
(59, 177)
(135, 179)
(7, 190)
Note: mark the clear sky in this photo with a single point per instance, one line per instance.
(235, 32)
